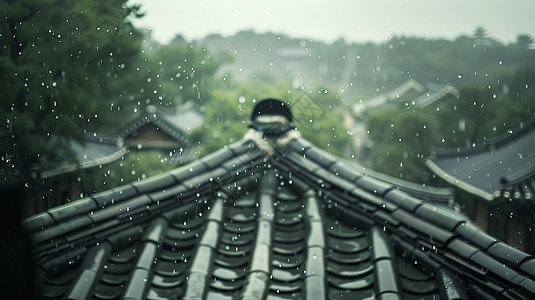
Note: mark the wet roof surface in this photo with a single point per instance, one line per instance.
(412, 91)
(245, 223)
(176, 124)
(506, 164)
(91, 151)
(97, 149)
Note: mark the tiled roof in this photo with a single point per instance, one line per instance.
(174, 124)
(273, 218)
(432, 96)
(411, 91)
(504, 167)
(92, 151)
(440, 196)
(98, 149)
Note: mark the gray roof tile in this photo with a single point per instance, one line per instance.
(154, 183)
(440, 216)
(66, 227)
(428, 229)
(345, 172)
(37, 221)
(323, 158)
(473, 234)
(373, 185)
(114, 195)
(528, 266)
(403, 200)
(482, 170)
(91, 151)
(462, 248)
(119, 209)
(451, 286)
(497, 268)
(528, 284)
(507, 254)
(385, 277)
(73, 209)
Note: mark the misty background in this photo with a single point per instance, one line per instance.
(354, 21)
(93, 68)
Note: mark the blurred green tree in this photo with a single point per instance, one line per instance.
(524, 41)
(132, 167)
(63, 69)
(401, 140)
(183, 71)
(229, 112)
(484, 112)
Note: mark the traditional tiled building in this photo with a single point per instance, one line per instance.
(57, 182)
(501, 176)
(271, 217)
(160, 130)
(410, 91)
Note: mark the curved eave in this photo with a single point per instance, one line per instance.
(428, 192)
(170, 129)
(457, 182)
(84, 165)
(426, 100)
(159, 119)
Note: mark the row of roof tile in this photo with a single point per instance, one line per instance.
(298, 222)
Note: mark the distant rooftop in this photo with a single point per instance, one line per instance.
(502, 167)
(92, 151)
(412, 91)
(154, 130)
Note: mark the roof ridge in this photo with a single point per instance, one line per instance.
(210, 171)
(84, 165)
(430, 192)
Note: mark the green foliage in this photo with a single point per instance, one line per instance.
(229, 112)
(483, 112)
(69, 67)
(401, 140)
(81, 67)
(62, 68)
(524, 41)
(323, 125)
(183, 71)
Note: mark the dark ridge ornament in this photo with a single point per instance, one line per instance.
(271, 107)
(272, 117)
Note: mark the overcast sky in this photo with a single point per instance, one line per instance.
(328, 20)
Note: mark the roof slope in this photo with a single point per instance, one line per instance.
(506, 164)
(176, 125)
(411, 91)
(97, 149)
(92, 151)
(273, 218)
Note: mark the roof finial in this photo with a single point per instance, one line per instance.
(150, 109)
(272, 117)
(271, 124)
(271, 107)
